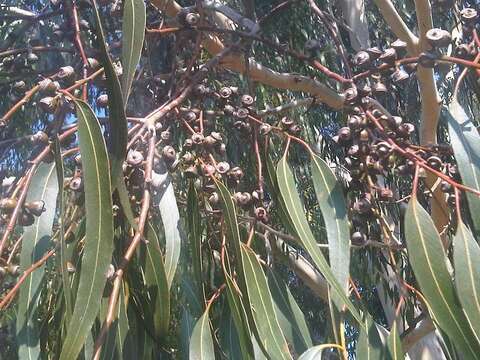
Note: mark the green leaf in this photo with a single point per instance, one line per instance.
(334, 212)
(195, 238)
(117, 119)
(36, 239)
(369, 344)
(314, 353)
(133, 30)
(201, 342)
(394, 344)
(428, 260)
(465, 142)
(263, 310)
(167, 204)
(187, 324)
(291, 319)
(466, 257)
(156, 282)
(98, 246)
(296, 212)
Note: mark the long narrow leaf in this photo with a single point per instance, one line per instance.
(428, 260)
(369, 346)
(394, 344)
(201, 342)
(294, 205)
(36, 239)
(133, 30)
(98, 245)
(195, 238)
(466, 257)
(465, 142)
(264, 315)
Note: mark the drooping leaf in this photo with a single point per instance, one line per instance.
(195, 238)
(201, 342)
(133, 30)
(296, 212)
(314, 353)
(98, 245)
(264, 316)
(290, 317)
(394, 344)
(156, 282)
(428, 260)
(187, 324)
(466, 257)
(117, 119)
(465, 142)
(369, 346)
(229, 338)
(35, 243)
(167, 203)
(334, 212)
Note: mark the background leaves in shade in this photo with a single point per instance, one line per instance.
(369, 345)
(466, 257)
(36, 240)
(465, 142)
(133, 31)
(425, 251)
(98, 244)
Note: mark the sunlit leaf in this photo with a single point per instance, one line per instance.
(98, 245)
(466, 257)
(133, 30)
(296, 212)
(35, 243)
(428, 259)
(394, 344)
(314, 353)
(369, 345)
(465, 142)
(266, 321)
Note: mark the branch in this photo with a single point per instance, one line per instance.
(258, 72)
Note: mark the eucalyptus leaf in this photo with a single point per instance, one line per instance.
(35, 243)
(98, 245)
(394, 344)
(369, 345)
(201, 342)
(428, 260)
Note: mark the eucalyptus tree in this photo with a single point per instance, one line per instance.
(239, 179)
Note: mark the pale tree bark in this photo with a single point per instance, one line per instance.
(354, 15)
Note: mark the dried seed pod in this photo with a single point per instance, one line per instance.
(189, 116)
(362, 59)
(48, 86)
(389, 56)
(351, 94)
(188, 158)
(446, 187)
(385, 194)
(400, 46)
(135, 158)
(261, 214)
(295, 130)
(47, 104)
(188, 144)
(363, 206)
(241, 113)
(39, 138)
(353, 150)
(225, 92)
(32, 58)
(264, 129)
(192, 18)
(364, 135)
(102, 101)
(208, 170)
(169, 154)
(242, 198)
(216, 135)
(383, 148)
(35, 207)
(379, 88)
(399, 76)
(209, 141)
(66, 72)
(166, 136)
(222, 149)
(76, 184)
(374, 53)
(464, 51)
(469, 15)
(197, 139)
(286, 122)
(434, 162)
(344, 134)
(438, 38)
(191, 172)
(19, 86)
(406, 129)
(8, 204)
(223, 167)
(354, 122)
(235, 173)
(78, 159)
(358, 239)
(229, 109)
(26, 219)
(247, 100)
